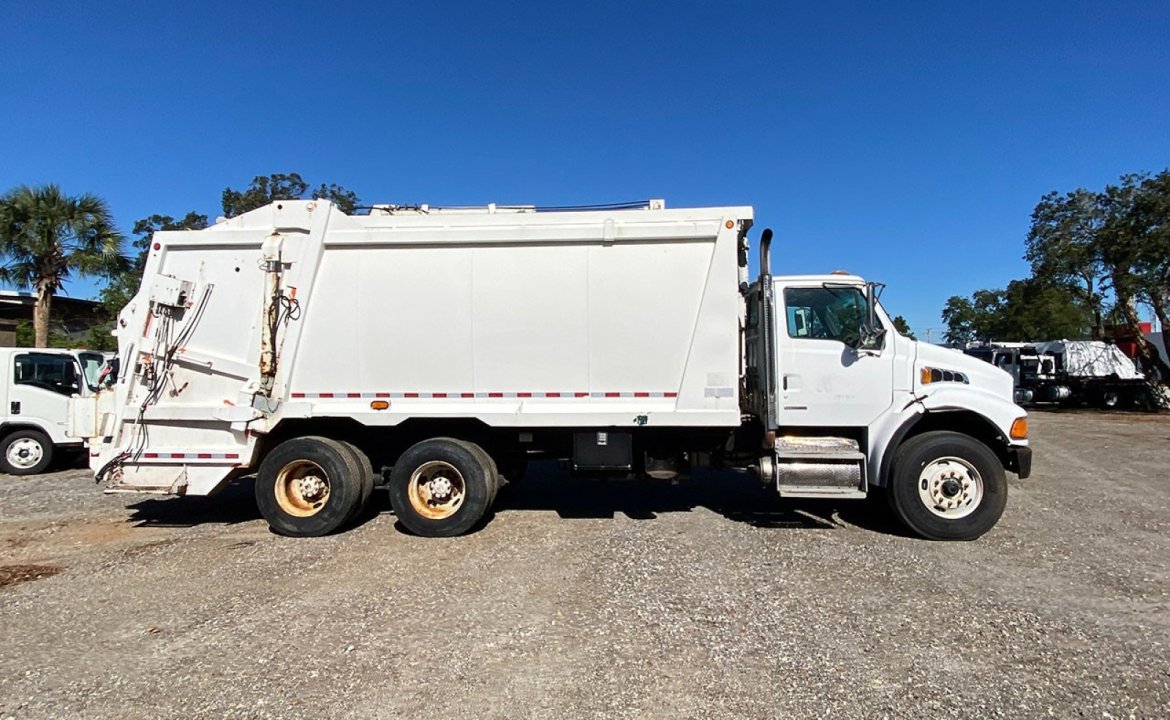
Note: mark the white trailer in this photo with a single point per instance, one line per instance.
(35, 387)
(437, 350)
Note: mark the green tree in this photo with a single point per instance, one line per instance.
(1063, 246)
(1135, 246)
(46, 237)
(903, 327)
(1114, 240)
(284, 186)
(1027, 310)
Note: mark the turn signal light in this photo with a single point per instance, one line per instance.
(926, 376)
(1019, 429)
(379, 404)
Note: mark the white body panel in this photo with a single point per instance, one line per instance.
(615, 318)
(825, 384)
(33, 395)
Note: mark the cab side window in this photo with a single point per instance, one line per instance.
(825, 313)
(55, 373)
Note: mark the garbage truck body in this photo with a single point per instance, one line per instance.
(435, 351)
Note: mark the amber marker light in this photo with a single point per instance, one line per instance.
(1019, 429)
(379, 404)
(926, 376)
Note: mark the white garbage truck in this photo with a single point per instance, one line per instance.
(434, 351)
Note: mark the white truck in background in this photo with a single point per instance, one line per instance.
(1068, 372)
(34, 394)
(439, 349)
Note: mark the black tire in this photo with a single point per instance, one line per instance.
(489, 466)
(478, 487)
(284, 510)
(366, 472)
(32, 451)
(1109, 399)
(920, 451)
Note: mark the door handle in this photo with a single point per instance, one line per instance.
(14, 407)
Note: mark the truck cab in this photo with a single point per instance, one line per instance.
(850, 407)
(35, 391)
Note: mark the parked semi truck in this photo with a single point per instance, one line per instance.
(436, 350)
(1067, 372)
(35, 389)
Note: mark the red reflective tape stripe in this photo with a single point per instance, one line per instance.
(673, 394)
(232, 456)
(353, 395)
(439, 395)
(552, 394)
(382, 395)
(467, 395)
(641, 394)
(298, 395)
(325, 395)
(410, 395)
(581, 394)
(203, 456)
(613, 394)
(150, 456)
(524, 394)
(495, 395)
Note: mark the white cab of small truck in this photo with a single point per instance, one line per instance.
(35, 387)
(436, 351)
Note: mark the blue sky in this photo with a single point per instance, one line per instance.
(904, 141)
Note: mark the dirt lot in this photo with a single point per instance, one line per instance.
(705, 599)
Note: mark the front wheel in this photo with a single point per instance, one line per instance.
(947, 486)
(25, 452)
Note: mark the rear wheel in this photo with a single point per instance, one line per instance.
(442, 487)
(366, 476)
(25, 452)
(1109, 398)
(947, 486)
(310, 486)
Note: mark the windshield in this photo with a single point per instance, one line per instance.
(91, 368)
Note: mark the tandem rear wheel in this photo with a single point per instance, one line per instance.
(947, 486)
(442, 487)
(311, 486)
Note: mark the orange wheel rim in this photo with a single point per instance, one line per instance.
(302, 488)
(436, 490)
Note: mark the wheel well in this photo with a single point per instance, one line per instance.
(965, 422)
(382, 445)
(8, 428)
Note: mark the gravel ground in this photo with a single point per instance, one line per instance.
(603, 600)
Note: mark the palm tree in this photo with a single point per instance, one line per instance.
(46, 237)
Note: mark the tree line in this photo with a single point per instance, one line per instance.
(1096, 257)
(48, 237)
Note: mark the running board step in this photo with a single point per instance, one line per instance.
(819, 467)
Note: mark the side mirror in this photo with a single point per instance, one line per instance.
(869, 331)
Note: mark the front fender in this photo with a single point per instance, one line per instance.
(994, 417)
(998, 411)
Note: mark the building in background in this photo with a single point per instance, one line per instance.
(71, 318)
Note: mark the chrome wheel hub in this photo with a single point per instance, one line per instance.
(24, 453)
(950, 487)
(312, 487)
(440, 488)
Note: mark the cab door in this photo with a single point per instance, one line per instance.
(42, 383)
(824, 380)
